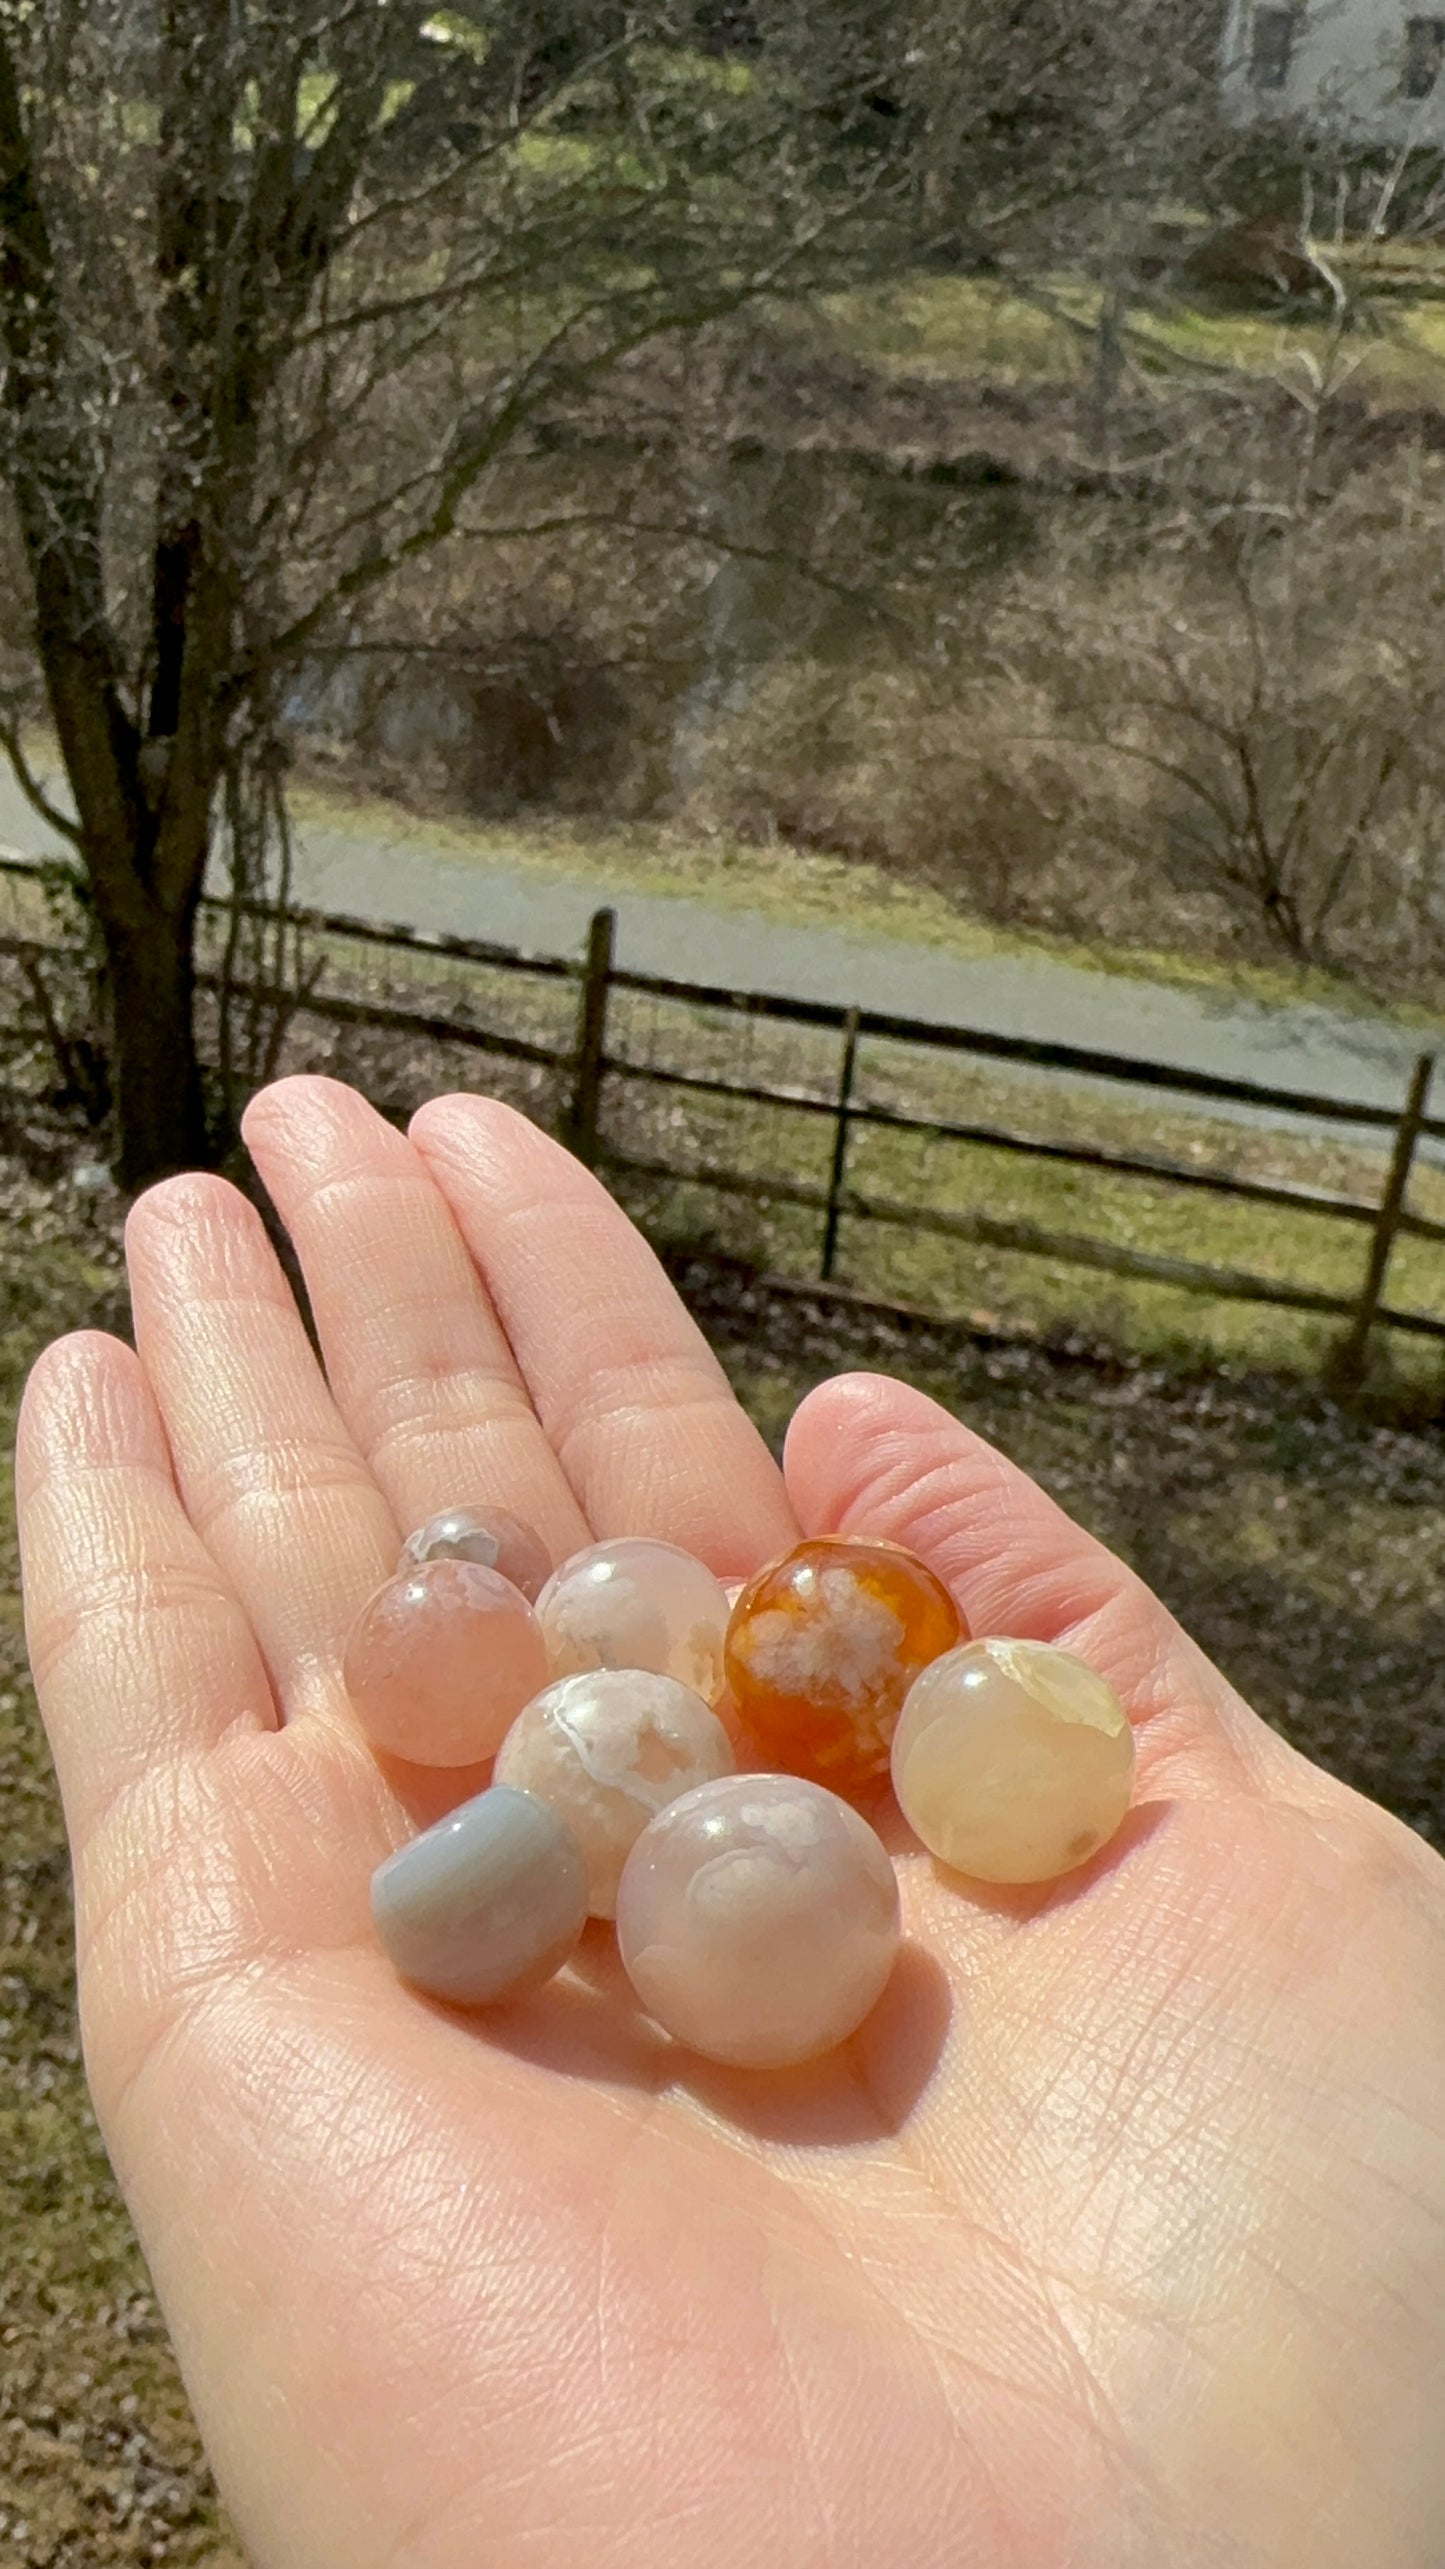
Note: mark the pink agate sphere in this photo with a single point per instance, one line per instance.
(440, 1662)
(491, 1535)
(635, 1603)
(757, 1919)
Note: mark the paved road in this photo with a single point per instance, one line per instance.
(429, 885)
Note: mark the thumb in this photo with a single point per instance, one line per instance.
(866, 1453)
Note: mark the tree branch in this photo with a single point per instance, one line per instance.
(55, 477)
(32, 789)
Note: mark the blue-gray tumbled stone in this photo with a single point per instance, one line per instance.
(486, 1904)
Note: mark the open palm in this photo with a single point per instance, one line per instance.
(1116, 2237)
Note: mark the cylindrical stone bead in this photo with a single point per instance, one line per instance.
(1013, 1760)
(441, 1660)
(485, 1905)
(757, 1920)
(490, 1535)
(609, 1749)
(634, 1603)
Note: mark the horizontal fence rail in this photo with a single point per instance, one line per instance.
(592, 1071)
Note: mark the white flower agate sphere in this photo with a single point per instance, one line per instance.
(634, 1603)
(757, 1920)
(606, 1750)
(1013, 1760)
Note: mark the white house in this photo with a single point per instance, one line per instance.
(1374, 68)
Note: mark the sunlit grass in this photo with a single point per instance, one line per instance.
(781, 1145)
(957, 329)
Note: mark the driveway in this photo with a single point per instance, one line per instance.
(429, 884)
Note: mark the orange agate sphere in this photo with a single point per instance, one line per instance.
(823, 1646)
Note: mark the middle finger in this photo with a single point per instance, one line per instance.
(418, 1362)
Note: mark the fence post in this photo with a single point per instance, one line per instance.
(840, 1145)
(589, 1061)
(1349, 1364)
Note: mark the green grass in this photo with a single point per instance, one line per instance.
(1008, 1289)
(1005, 1288)
(1030, 1293)
(963, 329)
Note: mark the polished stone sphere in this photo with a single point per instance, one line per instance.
(490, 1535)
(757, 1920)
(440, 1662)
(636, 1603)
(823, 1646)
(607, 1750)
(485, 1905)
(1013, 1760)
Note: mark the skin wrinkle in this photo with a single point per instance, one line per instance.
(583, 2300)
(629, 1396)
(393, 2314)
(130, 1868)
(942, 2353)
(85, 1404)
(139, 1597)
(1089, 2410)
(415, 1432)
(312, 1790)
(891, 2320)
(814, 2463)
(947, 2205)
(271, 1479)
(452, 1319)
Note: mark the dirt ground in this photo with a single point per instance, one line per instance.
(1304, 1546)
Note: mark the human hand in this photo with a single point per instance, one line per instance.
(1114, 2240)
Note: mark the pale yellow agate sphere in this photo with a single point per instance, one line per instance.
(1012, 1760)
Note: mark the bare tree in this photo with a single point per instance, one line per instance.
(283, 286)
(1257, 712)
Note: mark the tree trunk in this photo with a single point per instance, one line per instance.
(155, 1072)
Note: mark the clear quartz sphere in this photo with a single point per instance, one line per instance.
(441, 1660)
(635, 1603)
(606, 1750)
(758, 1920)
(1013, 1760)
(490, 1535)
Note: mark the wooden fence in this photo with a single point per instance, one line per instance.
(1385, 1220)
(591, 1071)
